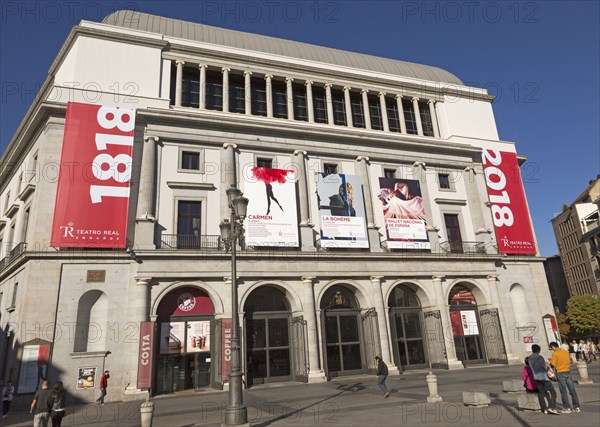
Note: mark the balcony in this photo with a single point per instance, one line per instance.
(190, 241)
(463, 247)
(12, 255)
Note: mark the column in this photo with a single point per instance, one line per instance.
(419, 172)
(384, 116)
(494, 284)
(228, 175)
(441, 302)
(145, 216)
(381, 319)
(363, 173)
(401, 114)
(269, 92)
(482, 233)
(329, 102)
(202, 88)
(315, 373)
(415, 103)
(248, 92)
(309, 102)
(138, 310)
(290, 97)
(366, 112)
(225, 89)
(348, 105)
(179, 82)
(436, 131)
(306, 228)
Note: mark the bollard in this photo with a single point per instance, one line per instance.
(433, 389)
(146, 412)
(583, 373)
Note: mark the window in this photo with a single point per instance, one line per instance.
(13, 303)
(444, 180)
(190, 96)
(279, 99)
(375, 112)
(409, 117)
(6, 201)
(237, 94)
(190, 160)
(1, 298)
(392, 111)
(25, 226)
(188, 218)
(426, 118)
(453, 232)
(214, 90)
(19, 182)
(264, 163)
(259, 96)
(339, 107)
(389, 173)
(330, 168)
(319, 104)
(300, 108)
(358, 114)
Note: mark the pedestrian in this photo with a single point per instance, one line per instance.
(8, 393)
(40, 406)
(528, 381)
(562, 363)
(540, 375)
(591, 351)
(583, 350)
(58, 399)
(575, 345)
(103, 386)
(382, 373)
(572, 345)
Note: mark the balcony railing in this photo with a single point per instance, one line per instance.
(13, 254)
(190, 241)
(463, 247)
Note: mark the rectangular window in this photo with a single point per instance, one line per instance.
(259, 97)
(25, 229)
(214, 90)
(188, 224)
(190, 96)
(393, 117)
(14, 295)
(409, 117)
(389, 173)
(426, 118)
(264, 163)
(444, 180)
(237, 94)
(1, 298)
(300, 108)
(6, 201)
(319, 104)
(339, 107)
(279, 99)
(190, 160)
(330, 168)
(375, 112)
(453, 232)
(358, 114)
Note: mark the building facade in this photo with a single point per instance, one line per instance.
(357, 138)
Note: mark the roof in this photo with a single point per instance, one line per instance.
(255, 42)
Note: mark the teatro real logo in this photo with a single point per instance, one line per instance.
(504, 241)
(186, 301)
(67, 230)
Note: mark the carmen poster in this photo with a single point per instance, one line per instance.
(341, 211)
(272, 219)
(404, 214)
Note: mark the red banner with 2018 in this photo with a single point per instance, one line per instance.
(92, 198)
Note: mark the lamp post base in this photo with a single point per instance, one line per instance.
(236, 416)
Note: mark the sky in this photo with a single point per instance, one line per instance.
(541, 59)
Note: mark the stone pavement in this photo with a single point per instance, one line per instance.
(351, 401)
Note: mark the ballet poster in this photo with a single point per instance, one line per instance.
(272, 219)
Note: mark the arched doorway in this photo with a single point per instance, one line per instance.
(406, 323)
(185, 327)
(341, 322)
(465, 325)
(267, 318)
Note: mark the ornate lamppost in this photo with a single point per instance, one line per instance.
(231, 230)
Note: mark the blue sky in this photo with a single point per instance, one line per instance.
(541, 59)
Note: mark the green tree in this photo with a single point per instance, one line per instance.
(584, 313)
(563, 323)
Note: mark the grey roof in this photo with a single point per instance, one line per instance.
(237, 39)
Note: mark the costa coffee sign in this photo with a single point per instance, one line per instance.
(144, 378)
(507, 202)
(92, 199)
(227, 335)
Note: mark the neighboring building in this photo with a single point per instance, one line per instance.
(388, 232)
(557, 282)
(577, 233)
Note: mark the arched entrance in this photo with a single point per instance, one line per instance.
(406, 323)
(341, 322)
(465, 325)
(185, 323)
(267, 318)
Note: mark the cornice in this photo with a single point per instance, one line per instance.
(191, 185)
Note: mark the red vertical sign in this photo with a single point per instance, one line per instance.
(144, 377)
(226, 332)
(507, 202)
(92, 199)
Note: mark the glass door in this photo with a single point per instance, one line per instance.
(268, 349)
(343, 342)
(407, 333)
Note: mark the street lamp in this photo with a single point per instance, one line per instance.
(231, 231)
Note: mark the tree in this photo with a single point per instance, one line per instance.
(563, 324)
(584, 313)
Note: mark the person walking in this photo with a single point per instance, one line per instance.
(382, 373)
(103, 387)
(540, 375)
(8, 393)
(58, 400)
(40, 406)
(562, 363)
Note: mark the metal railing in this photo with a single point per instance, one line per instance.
(190, 241)
(13, 254)
(463, 247)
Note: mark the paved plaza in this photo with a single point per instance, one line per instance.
(348, 401)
